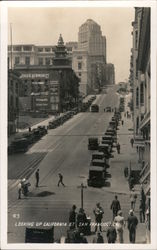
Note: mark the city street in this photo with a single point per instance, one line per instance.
(66, 152)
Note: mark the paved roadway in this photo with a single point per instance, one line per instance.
(62, 150)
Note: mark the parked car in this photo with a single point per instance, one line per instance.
(96, 177)
(18, 145)
(94, 108)
(93, 143)
(108, 109)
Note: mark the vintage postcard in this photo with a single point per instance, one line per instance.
(78, 125)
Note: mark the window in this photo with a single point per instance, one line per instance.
(17, 60)
(27, 48)
(40, 49)
(17, 48)
(136, 69)
(16, 87)
(79, 74)
(40, 61)
(137, 97)
(136, 39)
(79, 57)
(17, 103)
(141, 94)
(47, 61)
(47, 49)
(27, 60)
(79, 65)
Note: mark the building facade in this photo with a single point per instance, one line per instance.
(49, 88)
(140, 79)
(109, 74)
(90, 56)
(13, 101)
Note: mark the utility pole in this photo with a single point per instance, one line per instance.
(11, 45)
(82, 187)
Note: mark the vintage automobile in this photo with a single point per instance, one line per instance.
(43, 130)
(18, 145)
(96, 176)
(108, 109)
(98, 163)
(109, 142)
(101, 156)
(94, 108)
(93, 143)
(106, 149)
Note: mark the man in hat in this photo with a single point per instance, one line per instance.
(81, 220)
(60, 180)
(37, 177)
(115, 206)
(98, 212)
(111, 233)
(72, 217)
(132, 224)
(19, 190)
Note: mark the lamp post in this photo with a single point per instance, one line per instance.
(82, 187)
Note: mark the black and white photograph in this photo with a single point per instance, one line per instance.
(78, 101)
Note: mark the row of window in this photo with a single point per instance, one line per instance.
(141, 95)
(29, 48)
(41, 60)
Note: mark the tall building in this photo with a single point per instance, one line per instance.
(91, 50)
(140, 79)
(91, 40)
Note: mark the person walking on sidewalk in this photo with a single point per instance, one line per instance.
(72, 217)
(132, 142)
(60, 180)
(119, 225)
(133, 197)
(142, 209)
(111, 233)
(98, 212)
(19, 190)
(115, 206)
(37, 177)
(132, 224)
(118, 148)
(122, 122)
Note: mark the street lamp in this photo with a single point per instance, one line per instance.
(82, 187)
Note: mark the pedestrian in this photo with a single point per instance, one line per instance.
(111, 233)
(119, 225)
(115, 206)
(98, 212)
(126, 172)
(122, 122)
(133, 197)
(137, 149)
(118, 148)
(29, 129)
(37, 177)
(72, 217)
(132, 142)
(81, 220)
(132, 224)
(60, 180)
(143, 196)
(98, 239)
(19, 190)
(131, 182)
(142, 208)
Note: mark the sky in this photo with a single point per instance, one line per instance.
(42, 26)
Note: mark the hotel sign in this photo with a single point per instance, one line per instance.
(34, 75)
